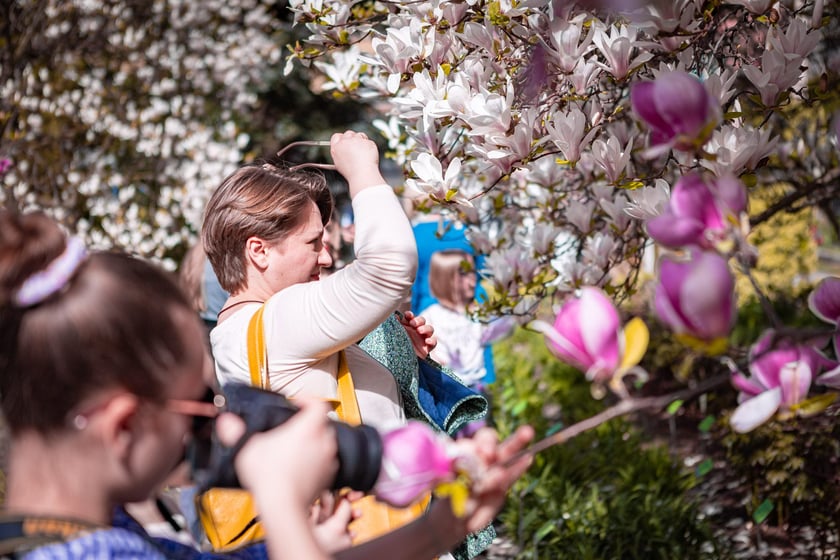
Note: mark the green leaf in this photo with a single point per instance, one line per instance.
(706, 424)
(519, 408)
(763, 510)
(545, 529)
(555, 428)
(674, 407)
(704, 468)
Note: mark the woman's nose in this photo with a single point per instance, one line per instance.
(325, 259)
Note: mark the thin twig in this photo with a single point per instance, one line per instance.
(622, 408)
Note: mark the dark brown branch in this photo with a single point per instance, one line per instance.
(622, 408)
(787, 201)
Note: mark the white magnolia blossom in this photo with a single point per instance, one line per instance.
(516, 117)
(738, 149)
(531, 107)
(158, 110)
(649, 201)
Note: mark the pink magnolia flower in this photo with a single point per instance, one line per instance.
(678, 109)
(780, 378)
(414, 460)
(824, 302)
(695, 298)
(5, 165)
(702, 212)
(587, 334)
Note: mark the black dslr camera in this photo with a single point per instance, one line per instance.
(359, 447)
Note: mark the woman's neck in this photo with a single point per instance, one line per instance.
(55, 479)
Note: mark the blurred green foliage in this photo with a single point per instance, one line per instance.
(793, 464)
(605, 494)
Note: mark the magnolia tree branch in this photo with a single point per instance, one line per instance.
(824, 188)
(622, 408)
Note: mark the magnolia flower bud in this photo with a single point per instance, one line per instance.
(702, 212)
(696, 297)
(414, 460)
(679, 111)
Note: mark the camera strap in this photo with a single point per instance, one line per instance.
(22, 533)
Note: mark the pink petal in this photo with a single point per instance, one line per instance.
(414, 460)
(599, 327)
(692, 198)
(666, 298)
(641, 99)
(707, 296)
(747, 385)
(729, 190)
(682, 102)
(830, 378)
(752, 413)
(675, 231)
(562, 347)
(824, 300)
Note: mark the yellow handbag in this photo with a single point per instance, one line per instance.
(376, 518)
(228, 515)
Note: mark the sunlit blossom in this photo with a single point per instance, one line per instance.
(569, 133)
(432, 180)
(618, 45)
(587, 334)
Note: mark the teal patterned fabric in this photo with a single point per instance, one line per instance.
(390, 345)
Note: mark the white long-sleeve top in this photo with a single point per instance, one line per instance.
(307, 324)
(459, 342)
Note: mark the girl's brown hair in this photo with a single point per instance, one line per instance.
(444, 268)
(117, 322)
(259, 200)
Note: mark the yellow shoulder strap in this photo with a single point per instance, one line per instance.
(257, 355)
(348, 406)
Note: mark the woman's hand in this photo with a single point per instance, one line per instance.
(357, 159)
(488, 493)
(421, 333)
(331, 516)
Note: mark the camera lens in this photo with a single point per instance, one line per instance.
(359, 447)
(359, 457)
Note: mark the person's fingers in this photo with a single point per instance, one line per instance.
(515, 442)
(229, 428)
(353, 495)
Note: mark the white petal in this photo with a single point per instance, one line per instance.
(756, 411)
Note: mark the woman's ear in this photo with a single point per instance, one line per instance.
(256, 250)
(119, 421)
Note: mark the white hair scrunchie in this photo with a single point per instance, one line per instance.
(44, 283)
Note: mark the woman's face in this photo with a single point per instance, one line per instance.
(302, 254)
(166, 431)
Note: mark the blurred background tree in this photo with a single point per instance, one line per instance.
(120, 117)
